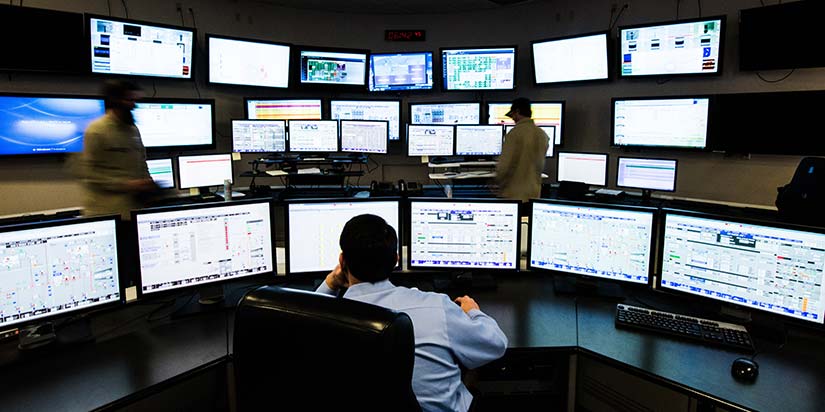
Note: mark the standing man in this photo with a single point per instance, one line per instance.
(519, 168)
(113, 162)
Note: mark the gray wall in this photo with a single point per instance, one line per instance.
(43, 183)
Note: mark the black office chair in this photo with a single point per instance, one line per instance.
(803, 199)
(297, 350)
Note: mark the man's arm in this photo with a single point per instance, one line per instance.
(335, 281)
(475, 338)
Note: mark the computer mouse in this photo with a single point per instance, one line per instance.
(744, 369)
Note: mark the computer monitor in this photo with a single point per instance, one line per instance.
(781, 36)
(769, 267)
(60, 40)
(59, 267)
(176, 124)
(647, 174)
(199, 171)
(45, 124)
(571, 58)
(592, 240)
(332, 67)
(589, 168)
(464, 234)
(478, 140)
(389, 110)
(313, 135)
(256, 136)
(314, 229)
(130, 47)
(197, 245)
(430, 140)
(488, 68)
(247, 62)
(275, 109)
(401, 71)
(445, 113)
(161, 172)
(364, 136)
(661, 122)
(551, 136)
(544, 114)
(681, 47)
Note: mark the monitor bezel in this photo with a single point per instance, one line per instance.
(120, 251)
(289, 136)
(341, 136)
(287, 247)
(246, 101)
(443, 66)
(720, 63)
(408, 237)
(708, 131)
(651, 264)
(606, 167)
(383, 100)
(174, 174)
(455, 141)
(232, 128)
(724, 303)
(89, 48)
(178, 168)
(675, 173)
(290, 59)
(559, 128)
(257, 278)
(436, 125)
(296, 53)
(411, 104)
(608, 44)
(427, 89)
(181, 148)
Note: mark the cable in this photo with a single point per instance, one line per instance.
(194, 79)
(180, 12)
(125, 8)
(777, 80)
(677, 8)
(663, 81)
(618, 16)
(192, 12)
(109, 5)
(154, 89)
(699, 2)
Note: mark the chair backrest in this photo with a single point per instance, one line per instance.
(297, 350)
(803, 199)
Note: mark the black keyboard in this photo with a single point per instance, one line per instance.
(703, 330)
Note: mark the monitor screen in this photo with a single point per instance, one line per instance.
(590, 240)
(314, 229)
(430, 140)
(161, 172)
(464, 234)
(570, 59)
(330, 67)
(171, 124)
(690, 47)
(544, 114)
(313, 136)
(401, 71)
(309, 109)
(255, 136)
(389, 110)
(127, 47)
(43, 125)
(678, 123)
(648, 174)
(781, 36)
(549, 130)
(186, 247)
(248, 62)
(764, 267)
(204, 170)
(590, 168)
(364, 136)
(483, 139)
(479, 69)
(445, 113)
(55, 268)
(57, 34)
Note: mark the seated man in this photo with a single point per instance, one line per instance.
(444, 333)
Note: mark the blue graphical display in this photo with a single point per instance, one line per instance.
(600, 242)
(41, 125)
(767, 268)
(401, 71)
(480, 235)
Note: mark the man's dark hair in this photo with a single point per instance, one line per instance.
(115, 90)
(522, 104)
(370, 248)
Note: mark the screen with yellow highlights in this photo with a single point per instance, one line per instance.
(304, 109)
(544, 114)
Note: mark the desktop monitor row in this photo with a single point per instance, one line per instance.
(633, 172)
(60, 267)
(315, 136)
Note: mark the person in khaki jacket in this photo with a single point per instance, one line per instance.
(113, 162)
(519, 168)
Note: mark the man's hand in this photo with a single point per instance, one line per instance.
(337, 279)
(140, 185)
(467, 303)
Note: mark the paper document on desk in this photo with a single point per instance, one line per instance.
(276, 173)
(309, 171)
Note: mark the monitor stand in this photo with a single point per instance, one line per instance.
(462, 282)
(205, 194)
(36, 336)
(764, 327)
(566, 285)
(646, 196)
(210, 295)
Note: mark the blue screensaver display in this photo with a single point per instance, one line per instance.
(42, 125)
